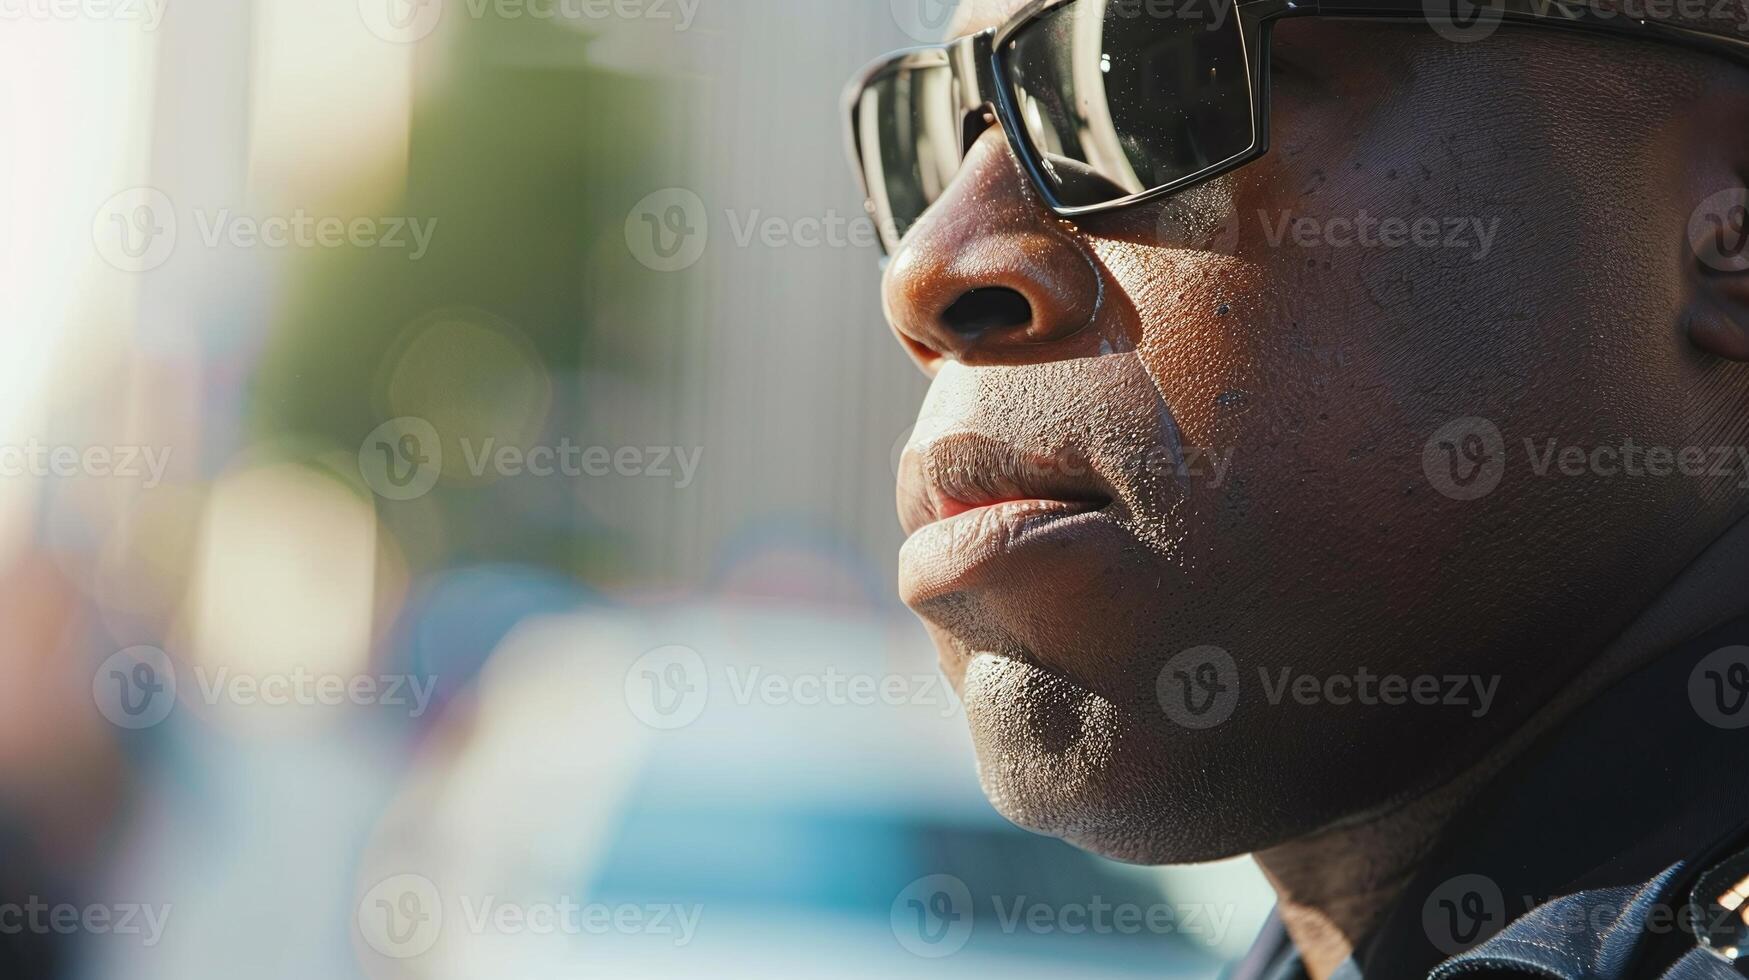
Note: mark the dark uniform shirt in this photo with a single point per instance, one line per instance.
(1602, 853)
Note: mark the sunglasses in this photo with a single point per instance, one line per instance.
(1110, 103)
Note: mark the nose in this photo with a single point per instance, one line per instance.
(989, 274)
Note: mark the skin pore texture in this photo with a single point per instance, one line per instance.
(1234, 424)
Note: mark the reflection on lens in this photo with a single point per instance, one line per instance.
(911, 146)
(1117, 101)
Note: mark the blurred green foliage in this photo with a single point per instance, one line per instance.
(529, 157)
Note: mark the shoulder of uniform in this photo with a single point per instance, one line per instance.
(1688, 922)
(1719, 902)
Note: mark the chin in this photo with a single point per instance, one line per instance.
(1060, 760)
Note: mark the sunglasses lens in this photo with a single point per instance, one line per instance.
(910, 143)
(1117, 100)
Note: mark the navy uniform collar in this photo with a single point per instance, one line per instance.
(1635, 790)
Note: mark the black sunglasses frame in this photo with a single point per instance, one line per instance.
(979, 68)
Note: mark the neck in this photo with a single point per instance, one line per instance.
(1335, 887)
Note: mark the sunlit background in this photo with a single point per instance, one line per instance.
(446, 452)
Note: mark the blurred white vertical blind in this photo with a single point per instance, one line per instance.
(795, 383)
(330, 108)
(76, 113)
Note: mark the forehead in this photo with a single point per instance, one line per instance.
(976, 15)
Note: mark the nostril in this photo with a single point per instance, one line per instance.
(989, 308)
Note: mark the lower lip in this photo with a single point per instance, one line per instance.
(954, 554)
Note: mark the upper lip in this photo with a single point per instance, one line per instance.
(962, 471)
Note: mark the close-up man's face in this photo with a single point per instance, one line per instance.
(1294, 421)
(447, 484)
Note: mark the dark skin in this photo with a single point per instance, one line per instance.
(1149, 334)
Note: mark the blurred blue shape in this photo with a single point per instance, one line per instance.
(455, 620)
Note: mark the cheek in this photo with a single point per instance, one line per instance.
(1200, 339)
(1397, 264)
(1262, 362)
(1283, 355)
